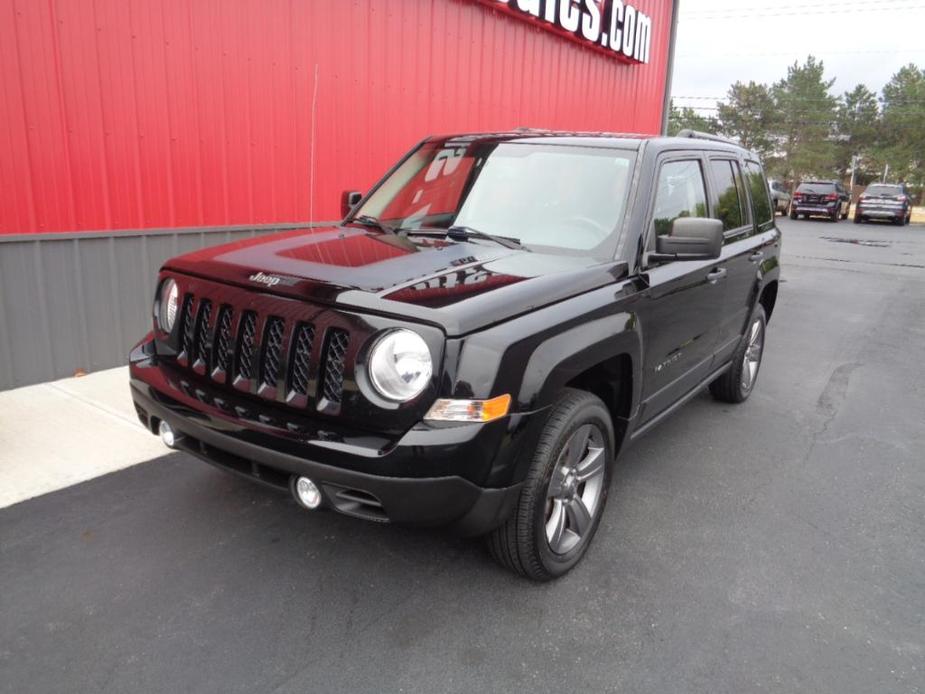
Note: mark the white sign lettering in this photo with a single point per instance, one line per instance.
(611, 24)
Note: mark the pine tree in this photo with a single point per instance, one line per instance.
(688, 118)
(806, 113)
(858, 125)
(749, 116)
(903, 146)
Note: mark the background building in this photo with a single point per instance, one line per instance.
(134, 130)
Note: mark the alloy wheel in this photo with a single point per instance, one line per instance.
(752, 359)
(574, 493)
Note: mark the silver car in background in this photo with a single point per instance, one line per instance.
(779, 196)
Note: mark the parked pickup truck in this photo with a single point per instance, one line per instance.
(478, 338)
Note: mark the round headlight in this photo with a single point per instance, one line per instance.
(167, 305)
(400, 366)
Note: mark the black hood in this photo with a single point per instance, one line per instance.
(459, 286)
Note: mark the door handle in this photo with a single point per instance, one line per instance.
(756, 256)
(716, 275)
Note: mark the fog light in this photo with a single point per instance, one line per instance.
(307, 493)
(168, 435)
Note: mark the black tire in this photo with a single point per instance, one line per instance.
(908, 219)
(899, 221)
(521, 544)
(731, 386)
(858, 219)
(793, 215)
(836, 215)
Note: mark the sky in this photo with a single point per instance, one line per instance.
(860, 42)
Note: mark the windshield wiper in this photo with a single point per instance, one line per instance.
(462, 233)
(370, 221)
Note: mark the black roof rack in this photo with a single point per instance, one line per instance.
(687, 132)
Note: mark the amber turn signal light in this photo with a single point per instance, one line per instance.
(445, 410)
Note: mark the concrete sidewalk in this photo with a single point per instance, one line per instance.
(53, 435)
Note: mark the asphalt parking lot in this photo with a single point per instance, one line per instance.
(774, 546)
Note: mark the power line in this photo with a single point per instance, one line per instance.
(758, 13)
(909, 109)
(807, 99)
(800, 6)
(906, 111)
(816, 51)
(833, 123)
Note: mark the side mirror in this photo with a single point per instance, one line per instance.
(691, 238)
(348, 200)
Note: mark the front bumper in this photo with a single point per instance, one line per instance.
(427, 477)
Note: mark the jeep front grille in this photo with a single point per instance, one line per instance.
(271, 356)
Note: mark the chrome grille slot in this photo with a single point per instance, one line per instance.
(221, 351)
(333, 381)
(299, 362)
(200, 354)
(270, 363)
(247, 346)
(185, 330)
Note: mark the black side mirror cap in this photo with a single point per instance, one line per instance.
(691, 238)
(349, 200)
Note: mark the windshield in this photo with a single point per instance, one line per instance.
(563, 197)
(883, 190)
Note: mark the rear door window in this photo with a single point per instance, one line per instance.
(758, 187)
(679, 192)
(731, 208)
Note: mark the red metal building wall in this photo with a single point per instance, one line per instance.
(123, 114)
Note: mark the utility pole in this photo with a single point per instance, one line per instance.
(854, 168)
(886, 170)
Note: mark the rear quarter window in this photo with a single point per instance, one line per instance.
(730, 204)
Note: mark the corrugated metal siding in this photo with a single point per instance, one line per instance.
(121, 114)
(80, 301)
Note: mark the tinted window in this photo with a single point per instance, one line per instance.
(883, 190)
(679, 193)
(822, 188)
(730, 209)
(759, 190)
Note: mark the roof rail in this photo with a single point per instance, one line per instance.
(687, 132)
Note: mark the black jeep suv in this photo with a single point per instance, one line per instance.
(478, 338)
(885, 201)
(820, 199)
